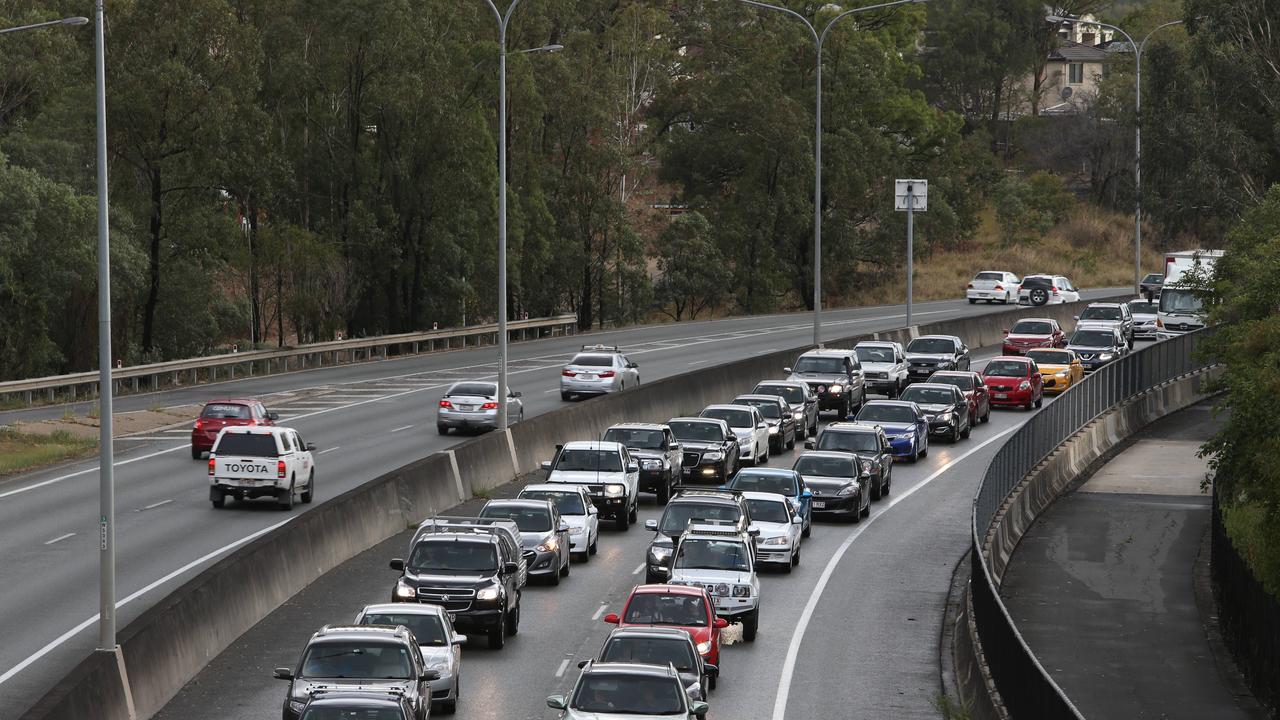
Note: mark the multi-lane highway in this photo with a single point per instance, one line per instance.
(370, 418)
(852, 632)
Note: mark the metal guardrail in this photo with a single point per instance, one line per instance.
(1025, 687)
(155, 376)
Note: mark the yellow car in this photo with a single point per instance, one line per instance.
(1060, 369)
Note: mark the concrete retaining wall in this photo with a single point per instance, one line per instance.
(169, 643)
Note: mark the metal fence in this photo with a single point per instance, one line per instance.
(1248, 615)
(1025, 687)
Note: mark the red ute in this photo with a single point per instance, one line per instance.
(1013, 382)
(225, 412)
(680, 606)
(975, 391)
(1031, 333)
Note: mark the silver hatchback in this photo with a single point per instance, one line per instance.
(473, 405)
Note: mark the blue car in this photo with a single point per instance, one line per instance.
(903, 422)
(785, 482)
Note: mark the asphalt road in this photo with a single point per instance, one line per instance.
(852, 632)
(366, 419)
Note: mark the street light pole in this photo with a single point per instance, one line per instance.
(63, 21)
(819, 38)
(1138, 49)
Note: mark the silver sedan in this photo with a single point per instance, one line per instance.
(598, 369)
(473, 405)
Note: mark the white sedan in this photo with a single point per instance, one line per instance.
(780, 528)
(577, 511)
(992, 286)
(748, 425)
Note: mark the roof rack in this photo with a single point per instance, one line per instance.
(705, 491)
(722, 528)
(466, 525)
(389, 690)
(600, 348)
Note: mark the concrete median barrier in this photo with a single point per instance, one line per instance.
(170, 642)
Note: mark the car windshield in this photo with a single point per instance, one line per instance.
(735, 418)
(1103, 312)
(568, 503)
(819, 364)
(964, 382)
(656, 609)
(697, 431)
(631, 694)
(1049, 357)
(935, 346)
(761, 482)
(1153, 278)
(426, 629)
(1142, 307)
(636, 438)
(928, 396)
(885, 413)
(1031, 327)
(353, 712)
(767, 408)
(481, 389)
(452, 556)
(791, 394)
(651, 651)
(1174, 300)
(824, 466)
(989, 276)
(529, 519)
(1093, 338)
(357, 659)
(848, 441)
(248, 444)
(770, 511)
(592, 360)
(587, 459)
(226, 411)
(874, 354)
(1006, 368)
(708, 554)
(677, 515)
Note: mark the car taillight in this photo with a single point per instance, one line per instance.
(211, 464)
(446, 404)
(199, 423)
(569, 373)
(489, 406)
(998, 287)
(279, 468)
(252, 422)
(607, 373)
(969, 286)
(1055, 291)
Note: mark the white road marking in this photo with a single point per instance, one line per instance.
(638, 569)
(797, 635)
(60, 538)
(64, 637)
(153, 506)
(564, 664)
(86, 471)
(127, 438)
(697, 362)
(327, 450)
(597, 616)
(406, 427)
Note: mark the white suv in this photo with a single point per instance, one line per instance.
(598, 369)
(721, 558)
(1046, 290)
(610, 474)
(884, 367)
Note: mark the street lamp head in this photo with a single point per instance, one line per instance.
(1054, 19)
(552, 48)
(75, 21)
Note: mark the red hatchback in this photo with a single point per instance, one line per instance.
(1013, 382)
(1032, 333)
(225, 412)
(680, 606)
(971, 384)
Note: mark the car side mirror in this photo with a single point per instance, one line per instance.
(632, 467)
(562, 527)
(517, 394)
(282, 674)
(699, 708)
(1006, 331)
(397, 564)
(311, 447)
(762, 426)
(797, 520)
(557, 702)
(582, 663)
(651, 525)
(545, 465)
(1075, 317)
(510, 568)
(806, 494)
(459, 639)
(612, 618)
(429, 675)
(753, 531)
(273, 416)
(810, 444)
(721, 623)
(786, 369)
(591, 510)
(711, 670)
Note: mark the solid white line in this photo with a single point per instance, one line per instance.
(406, 427)
(327, 450)
(697, 362)
(599, 612)
(86, 471)
(638, 569)
(564, 664)
(60, 538)
(153, 506)
(81, 627)
(548, 392)
(126, 438)
(793, 649)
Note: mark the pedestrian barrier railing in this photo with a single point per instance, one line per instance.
(1025, 688)
(156, 376)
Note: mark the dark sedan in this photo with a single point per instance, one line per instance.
(777, 413)
(838, 488)
(930, 353)
(944, 406)
(711, 453)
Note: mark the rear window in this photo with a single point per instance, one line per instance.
(593, 360)
(357, 659)
(1142, 306)
(964, 382)
(1006, 368)
(767, 408)
(1031, 327)
(1101, 312)
(480, 389)
(789, 393)
(696, 431)
(1041, 282)
(226, 411)
(989, 276)
(251, 444)
(735, 418)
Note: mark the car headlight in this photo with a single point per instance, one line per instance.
(741, 591)
(1106, 356)
(659, 553)
(798, 415)
(773, 429)
(722, 590)
(551, 545)
(866, 467)
(574, 530)
(651, 464)
(1024, 385)
(713, 455)
(945, 416)
(835, 389)
(780, 540)
(704, 647)
(440, 667)
(847, 490)
(615, 490)
(297, 705)
(404, 591)
(489, 593)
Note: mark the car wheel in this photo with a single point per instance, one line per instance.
(888, 482)
(196, 454)
(750, 626)
(972, 301)
(791, 444)
(968, 429)
(449, 707)
(513, 622)
(520, 417)
(594, 546)
(442, 429)
(218, 498)
(498, 635)
(622, 522)
(635, 511)
(311, 489)
(808, 529)
(565, 396)
(1039, 296)
(1040, 401)
(955, 432)
(564, 571)
(856, 516)
(711, 684)
(664, 492)
(795, 559)
(284, 498)
(924, 447)
(986, 417)
(866, 511)
(651, 579)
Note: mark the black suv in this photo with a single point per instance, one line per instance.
(467, 571)
(659, 454)
(869, 443)
(945, 407)
(359, 657)
(929, 353)
(689, 504)
(710, 449)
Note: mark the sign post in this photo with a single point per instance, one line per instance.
(910, 196)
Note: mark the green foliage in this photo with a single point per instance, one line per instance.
(1027, 209)
(691, 268)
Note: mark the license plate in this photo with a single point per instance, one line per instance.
(1002, 396)
(467, 408)
(587, 377)
(819, 505)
